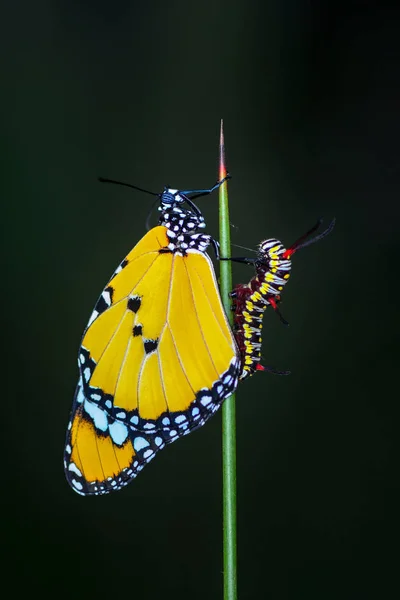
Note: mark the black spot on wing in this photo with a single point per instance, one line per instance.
(137, 330)
(150, 346)
(134, 303)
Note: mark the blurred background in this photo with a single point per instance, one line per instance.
(135, 91)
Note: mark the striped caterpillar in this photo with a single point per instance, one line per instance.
(272, 265)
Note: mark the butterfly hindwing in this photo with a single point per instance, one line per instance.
(101, 453)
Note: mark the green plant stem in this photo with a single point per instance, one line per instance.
(228, 408)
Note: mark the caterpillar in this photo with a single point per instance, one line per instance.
(273, 266)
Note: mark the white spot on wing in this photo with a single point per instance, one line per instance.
(206, 400)
(80, 397)
(139, 443)
(93, 316)
(180, 419)
(98, 415)
(107, 297)
(118, 432)
(72, 467)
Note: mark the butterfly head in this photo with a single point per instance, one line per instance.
(171, 197)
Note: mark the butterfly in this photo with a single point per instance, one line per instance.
(157, 357)
(272, 265)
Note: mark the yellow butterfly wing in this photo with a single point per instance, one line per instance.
(156, 361)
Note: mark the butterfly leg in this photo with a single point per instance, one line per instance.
(216, 247)
(240, 259)
(198, 193)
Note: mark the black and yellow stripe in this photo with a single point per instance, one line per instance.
(273, 265)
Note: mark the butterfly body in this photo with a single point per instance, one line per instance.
(157, 358)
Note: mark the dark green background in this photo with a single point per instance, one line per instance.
(135, 91)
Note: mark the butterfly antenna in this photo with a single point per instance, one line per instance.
(135, 187)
